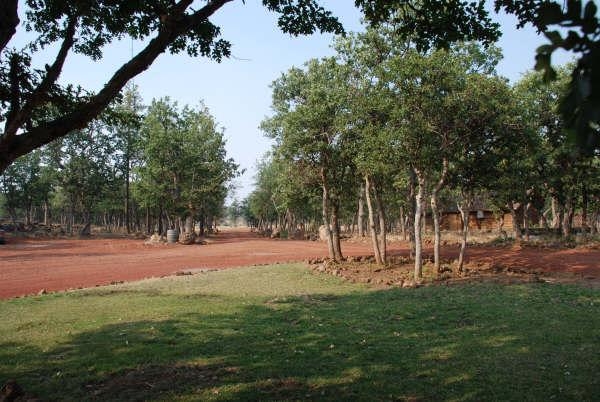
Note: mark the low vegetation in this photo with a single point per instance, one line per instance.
(283, 333)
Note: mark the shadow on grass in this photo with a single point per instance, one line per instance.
(480, 342)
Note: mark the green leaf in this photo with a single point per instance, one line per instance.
(574, 9)
(550, 13)
(571, 40)
(589, 24)
(545, 49)
(542, 61)
(554, 37)
(590, 10)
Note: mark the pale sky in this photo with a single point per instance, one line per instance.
(237, 91)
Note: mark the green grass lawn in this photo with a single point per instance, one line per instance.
(282, 333)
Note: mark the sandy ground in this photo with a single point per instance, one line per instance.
(27, 266)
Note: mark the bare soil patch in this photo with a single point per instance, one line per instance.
(399, 273)
(30, 266)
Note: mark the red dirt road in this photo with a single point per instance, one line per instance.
(28, 266)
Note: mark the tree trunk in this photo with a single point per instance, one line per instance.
(436, 233)
(464, 207)
(46, 207)
(514, 207)
(382, 225)
(189, 224)
(555, 205)
(325, 214)
(127, 206)
(402, 223)
(501, 222)
(335, 233)
(593, 224)
(373, 229)
(361, 212)
(160, 223)
(567, 223)
(544, 218)
(9, 20)
(419, 207)
(202, 225)
(526, 220)
(412, 202)
(148, 224)
(584, 208)
(436, 217)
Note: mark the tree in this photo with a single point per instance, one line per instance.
(186, 170)
(439, 23)
(308, 105)
(25, 185)
(489, 129)
(369, 110)
(85, 27)
(565, 173)
(85, 171)
(126, 128)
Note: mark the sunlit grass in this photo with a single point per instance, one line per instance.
(282, 333)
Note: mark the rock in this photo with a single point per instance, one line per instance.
(408, 284)
(322, 233)
(187, 238)
(42, 292)
(154, 239)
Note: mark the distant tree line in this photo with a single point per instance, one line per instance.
(136, 168)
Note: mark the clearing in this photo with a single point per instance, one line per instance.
(28, 266)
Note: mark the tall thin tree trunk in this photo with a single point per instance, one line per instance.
(189, 224)
(435, 214)
(412, 202)
(325, 214)
(373, 229)
(335, 233)
(464, 207)
(127, 206)
(361, 212)
(567, 222)
(46, 207)
(526, 220)
(584, 208)
(148, 225)
(514, 207)
(555, 205)
(544, 218)
(436, 217)
(402, 223)
(419, 204)
(382, 225)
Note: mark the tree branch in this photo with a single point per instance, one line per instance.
(174, 26)
(40, 94)
(9, 19)
(15, 90)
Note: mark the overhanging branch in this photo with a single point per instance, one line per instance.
(9, 19)
(175, 25)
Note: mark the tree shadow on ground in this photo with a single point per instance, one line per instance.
(479, 342)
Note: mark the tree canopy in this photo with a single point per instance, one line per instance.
(85, 27)
(571, 25)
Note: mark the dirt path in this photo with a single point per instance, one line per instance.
(28, 266)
